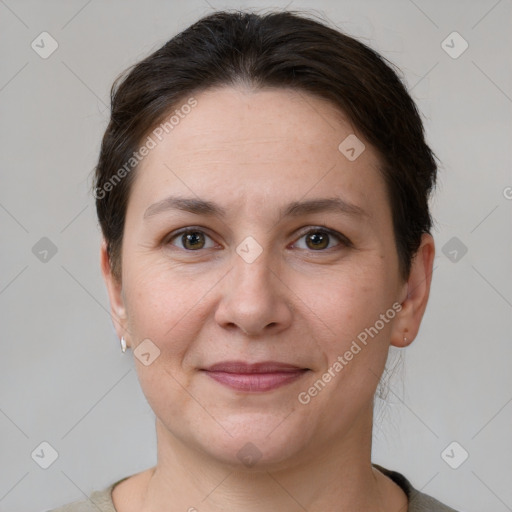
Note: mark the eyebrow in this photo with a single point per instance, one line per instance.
(294, 209)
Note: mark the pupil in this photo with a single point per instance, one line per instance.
(193, 239)
(318, 239)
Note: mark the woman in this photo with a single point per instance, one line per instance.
(262, 190)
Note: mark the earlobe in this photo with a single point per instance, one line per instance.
(115, 292)
(417, 290)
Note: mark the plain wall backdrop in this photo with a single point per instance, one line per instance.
(63, 378)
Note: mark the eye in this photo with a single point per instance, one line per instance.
(319, 239)
(191, 239)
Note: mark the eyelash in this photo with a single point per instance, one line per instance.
(342, 239)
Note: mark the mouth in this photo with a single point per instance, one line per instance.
(254, 377)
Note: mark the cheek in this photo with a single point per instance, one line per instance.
(160, 303)
(164, 307)
(356, 343)
(166, 391)
(348, 301)
(350, 308)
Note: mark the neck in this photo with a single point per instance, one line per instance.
(334, 476)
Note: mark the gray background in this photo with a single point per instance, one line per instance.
(63, 379)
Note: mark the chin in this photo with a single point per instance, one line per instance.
(256, 443)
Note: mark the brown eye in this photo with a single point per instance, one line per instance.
(190, 240)
(321, 239)
(193, 240)
(317, 240)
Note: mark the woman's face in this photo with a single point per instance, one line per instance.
(290, 259)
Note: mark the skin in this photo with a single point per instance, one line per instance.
(252, 153)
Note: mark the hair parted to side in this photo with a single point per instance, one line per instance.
(278, 49)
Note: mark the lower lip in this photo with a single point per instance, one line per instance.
(255, 382)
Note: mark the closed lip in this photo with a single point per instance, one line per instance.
(258, 377)
(241, 367)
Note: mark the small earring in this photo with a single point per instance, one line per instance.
(405, 339)
(123, 344)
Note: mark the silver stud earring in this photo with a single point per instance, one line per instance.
(123, 344)
(405, 339)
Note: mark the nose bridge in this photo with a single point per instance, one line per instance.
(252, 272)
(252, 298)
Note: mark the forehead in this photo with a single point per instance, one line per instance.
(238, 120)
(266, 143)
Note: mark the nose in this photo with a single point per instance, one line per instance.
(254, 299)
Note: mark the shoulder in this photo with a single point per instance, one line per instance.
(418, 501)
(98, 501)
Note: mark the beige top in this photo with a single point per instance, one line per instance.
(101, 501)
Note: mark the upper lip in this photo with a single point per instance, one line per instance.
(260, 367)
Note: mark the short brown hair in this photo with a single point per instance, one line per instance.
(278, 49)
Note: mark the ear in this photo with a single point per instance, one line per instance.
(415, 294)
(115, 294)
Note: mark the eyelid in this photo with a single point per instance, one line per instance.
(306, 230)
(331, 232)
(188, 229)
